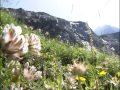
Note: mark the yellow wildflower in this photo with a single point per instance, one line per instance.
(118, 74)
(80, 78)
(102, 73)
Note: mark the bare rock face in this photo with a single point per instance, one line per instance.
(113, 41)
(67, 31)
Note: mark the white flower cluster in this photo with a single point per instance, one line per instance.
(34, 44)
(31, 73)
(14, 87)
(14, 44)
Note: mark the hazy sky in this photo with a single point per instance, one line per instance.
(95, 12)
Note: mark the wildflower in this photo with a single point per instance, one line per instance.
(34, 44)
(16, 71)
(31, 73)
(118, 74)
(13, 63)
(102, 73)
(77, 68)
(10, 32)
(15, 45)
(15, 74)
(15, 68)
(114, 81)
(25, 48)
(12, 42)
(71, 80)
(80, 78)
(14, 87)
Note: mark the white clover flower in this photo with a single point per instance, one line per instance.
(13, 63)
(7, 34)
(16, 29)
(34, 44)
(71, 80)
(38, 74)
(10, 32)
(16, 71)
(14, 87)
(114, 81)
(13, 43)
(31, 73)
(25, 48)
(33, 69)
(26, 65)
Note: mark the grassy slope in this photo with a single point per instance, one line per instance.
(55, 56)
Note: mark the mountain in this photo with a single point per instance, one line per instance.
(113, 41)
(114, 36)
(67, 31)
(106, 29)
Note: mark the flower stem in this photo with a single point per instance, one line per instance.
(80, 86)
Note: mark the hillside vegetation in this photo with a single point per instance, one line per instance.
(30, 60)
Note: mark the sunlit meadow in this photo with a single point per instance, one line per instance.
(30, 60)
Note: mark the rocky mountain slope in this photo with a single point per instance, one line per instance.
(113, 40)
(67, 31)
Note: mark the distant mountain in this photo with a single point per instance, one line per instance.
(106, 29)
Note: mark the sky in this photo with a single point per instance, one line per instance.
(95, 12)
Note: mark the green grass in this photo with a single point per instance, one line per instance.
(53, 62)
